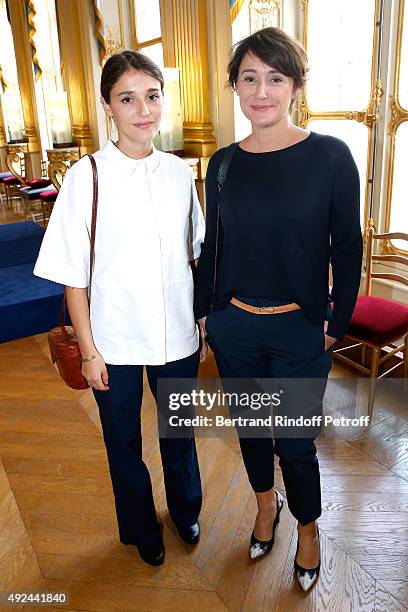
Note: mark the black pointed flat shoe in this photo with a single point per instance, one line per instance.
(259, 548)
(190, 535)
(306, 576)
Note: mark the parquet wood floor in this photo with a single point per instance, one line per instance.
(11, 214)
(58, 530)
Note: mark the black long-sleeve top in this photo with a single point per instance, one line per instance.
(284, 216)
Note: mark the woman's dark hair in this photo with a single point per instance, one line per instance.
(122, 62)
(275, 48)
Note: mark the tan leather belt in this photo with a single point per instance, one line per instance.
(265, 309)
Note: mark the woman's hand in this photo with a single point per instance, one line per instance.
(94, 371)
(203, 337)
(96, 374)
(328, 340)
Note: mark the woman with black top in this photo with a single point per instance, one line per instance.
(288, 208)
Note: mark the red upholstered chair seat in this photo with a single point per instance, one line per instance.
(11, 180)
(49, 196)
(378, 320)
(38, 182)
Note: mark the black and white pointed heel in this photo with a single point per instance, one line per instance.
(259, 548)
(306, 576)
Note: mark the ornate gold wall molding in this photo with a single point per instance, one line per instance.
(131, 6)
(69, 16)
(22, 49)
(185, 46)
(398, 116)
(59, 161)
(264, 14)
(115, 26)
(15, 160)
(120, 18)
(113, 45)
(368, 116)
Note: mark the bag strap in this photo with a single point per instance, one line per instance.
(93, 233)
(225, 164)
(93, 221)
(221, 178)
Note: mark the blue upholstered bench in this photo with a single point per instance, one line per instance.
(19, 243)
(28, 305)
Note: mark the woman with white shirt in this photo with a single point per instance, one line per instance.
(149, 229)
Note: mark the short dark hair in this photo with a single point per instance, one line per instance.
(119, 63)
(275, 48)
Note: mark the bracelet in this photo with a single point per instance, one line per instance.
(86, 359)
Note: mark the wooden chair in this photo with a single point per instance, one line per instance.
(15, 162)
(3, 175)
(59, 163)
(48, 199)
(18, 185)
(379, 326)
(31, 196)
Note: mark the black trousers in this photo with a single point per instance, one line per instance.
(119, 410)
(285, 345)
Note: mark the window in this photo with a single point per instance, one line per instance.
(397, 192)
(147, 29)
(9, 89)
(52, 105)
(341, 79)
(344, 89)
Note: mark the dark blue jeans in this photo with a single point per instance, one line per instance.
(285, 345)
(119, 410)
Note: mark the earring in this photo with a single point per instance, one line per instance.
(110, 118)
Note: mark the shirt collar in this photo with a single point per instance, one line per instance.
(130, 164)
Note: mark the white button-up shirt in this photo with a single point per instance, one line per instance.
(149, 227)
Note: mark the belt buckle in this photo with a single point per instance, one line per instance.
(268, 308)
